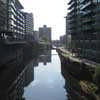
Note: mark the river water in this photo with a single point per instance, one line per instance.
(48, 82)
(39, 77)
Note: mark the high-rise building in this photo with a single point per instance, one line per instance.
(45, 33)
(63, 40)
(84, 19)
(29, 26)
(14, 19)
(3, 15)
(68, 34)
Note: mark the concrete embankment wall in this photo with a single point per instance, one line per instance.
(80, 77)
(9, 53)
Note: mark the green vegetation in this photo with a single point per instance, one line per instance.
(97, 75)
(88, 86)
(45, 39)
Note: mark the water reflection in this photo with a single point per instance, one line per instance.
(45, 57)
(18, 74)
(48, 83)
(41, 78)
(13, 79)
(71, 85)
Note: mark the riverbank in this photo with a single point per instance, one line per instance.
(83, 71)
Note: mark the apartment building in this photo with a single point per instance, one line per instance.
(15, 18)
(29, 26)
(3, 15)
(84, 20)
(12, 18)
(45, 33)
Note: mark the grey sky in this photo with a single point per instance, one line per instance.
(49, 12)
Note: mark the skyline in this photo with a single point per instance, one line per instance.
(50, 13)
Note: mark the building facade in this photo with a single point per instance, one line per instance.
(68, 34)
(63, 40)
(3, 15)
(84, 20)
(29, 26)
(45, 33)
(36, 36)
(14, 19)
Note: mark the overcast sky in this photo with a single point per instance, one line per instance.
(48, 12)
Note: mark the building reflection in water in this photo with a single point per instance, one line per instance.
(14, 77)
(45, 57)
(13, 81)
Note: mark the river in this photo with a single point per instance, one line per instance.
(48, 83)
(39, 75)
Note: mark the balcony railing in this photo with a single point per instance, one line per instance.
(87, 13)
(70, 2)
(83, 1)
(72, 5)
(86, 6)
(87, 20)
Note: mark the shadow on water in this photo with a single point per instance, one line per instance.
(18, 73)
(37, 75)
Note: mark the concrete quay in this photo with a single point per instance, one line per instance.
(83, 71)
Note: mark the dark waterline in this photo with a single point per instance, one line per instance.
(48, 83)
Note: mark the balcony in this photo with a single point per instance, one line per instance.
(83, 1)
(72, 16)
(87, 6)
(87, 21)
(87, 14)
(88, 29)
(73, 11)
(97, 26)
(72, 5)
(72, 21)
(16, 11)
(71, 2)
(73, 26)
